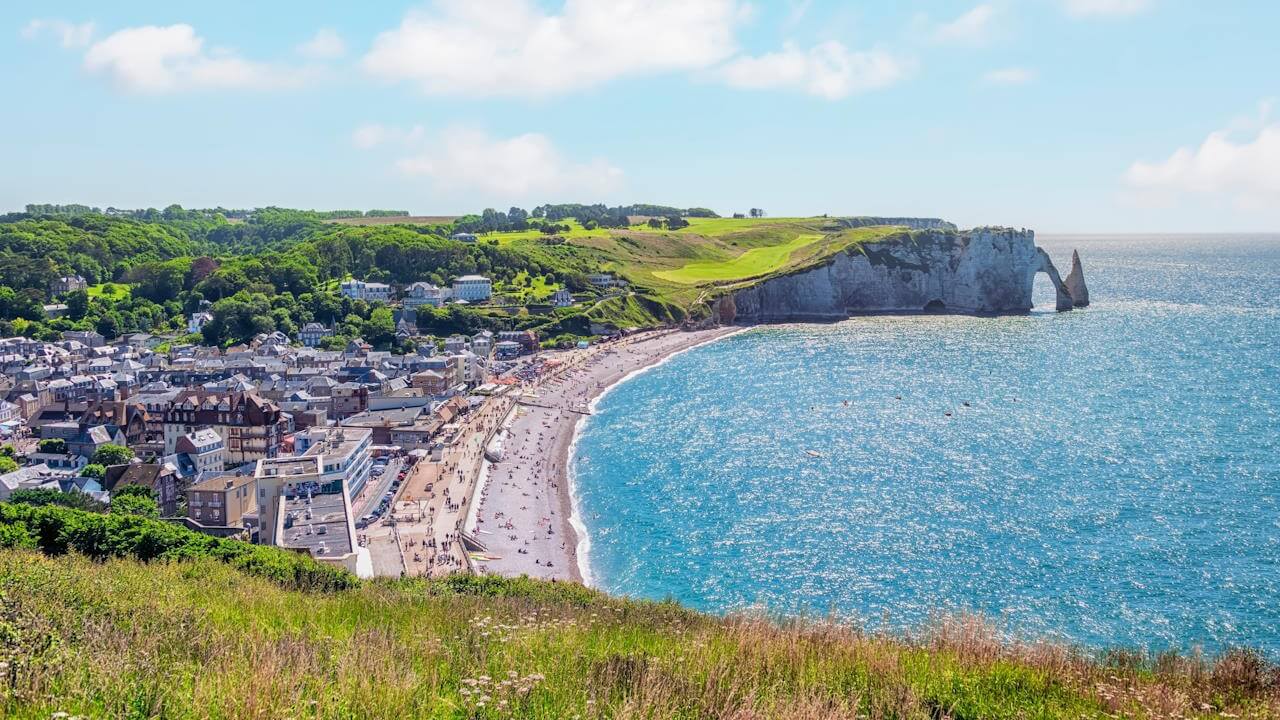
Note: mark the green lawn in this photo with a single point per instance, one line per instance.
(527, 289)
(119, 291)
(752, 263)
(575, 231)
(721, 226)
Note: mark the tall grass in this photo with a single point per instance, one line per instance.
(201, 639)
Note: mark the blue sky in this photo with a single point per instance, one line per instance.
(1060, 115)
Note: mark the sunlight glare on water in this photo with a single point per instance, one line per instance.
(1107, 476)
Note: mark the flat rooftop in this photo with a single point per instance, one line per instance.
(289, 466)
(327, 525)
(337, 442)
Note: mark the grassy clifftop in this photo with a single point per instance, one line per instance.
(682, 266)
(201, 639)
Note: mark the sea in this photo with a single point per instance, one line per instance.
(1107, 477)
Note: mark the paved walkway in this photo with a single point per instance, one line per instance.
(433, 501)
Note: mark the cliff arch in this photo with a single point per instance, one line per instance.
(1064, 301)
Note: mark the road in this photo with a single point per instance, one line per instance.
(375, 488)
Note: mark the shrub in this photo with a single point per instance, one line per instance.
(111, 455)
(76, 500)
(56, 446)
(134, 504)
(57, 530)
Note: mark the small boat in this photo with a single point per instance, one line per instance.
(813, 453)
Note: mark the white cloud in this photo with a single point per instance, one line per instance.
(153, 59)
(326, 44)
(1105, 8)
(1244, 171)
(1009, 76)
(828, 70)
(466, 159)
(972, 28)
(70, 35)
(515, 48)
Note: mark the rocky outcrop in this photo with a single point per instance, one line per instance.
(980, 271)
(1075, 282)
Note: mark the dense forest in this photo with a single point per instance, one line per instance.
(273, 269)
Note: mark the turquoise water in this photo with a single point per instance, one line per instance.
(1113, 480)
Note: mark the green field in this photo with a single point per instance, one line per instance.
(119, 291)
(752, 263)
(681, 267)
(720, 226)
(527, 289)
(575, 231)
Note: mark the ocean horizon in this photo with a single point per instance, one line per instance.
(1104, 477)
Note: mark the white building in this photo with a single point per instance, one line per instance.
(602, 279)
(312, 333)
(471, 365)
(205, 448)
(473, 288)
(424, 293)
(198, 321)
(464, 237)
(562, 298)
(328, 461)
(367, 291)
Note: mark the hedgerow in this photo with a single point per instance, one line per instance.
(57, 530)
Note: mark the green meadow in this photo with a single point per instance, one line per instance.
(752, 263)
(199, 640)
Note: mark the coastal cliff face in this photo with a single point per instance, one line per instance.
(986, 270)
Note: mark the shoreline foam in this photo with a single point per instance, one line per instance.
(570, 476)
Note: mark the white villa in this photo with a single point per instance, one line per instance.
(198, 321)
(424, 293)
(367, 291)
(472, 288)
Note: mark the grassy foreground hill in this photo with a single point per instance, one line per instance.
(210, 629)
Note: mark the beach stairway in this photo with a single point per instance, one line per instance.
(471, 544)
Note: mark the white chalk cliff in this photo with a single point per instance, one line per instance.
(985, 270)
(1075, 281)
